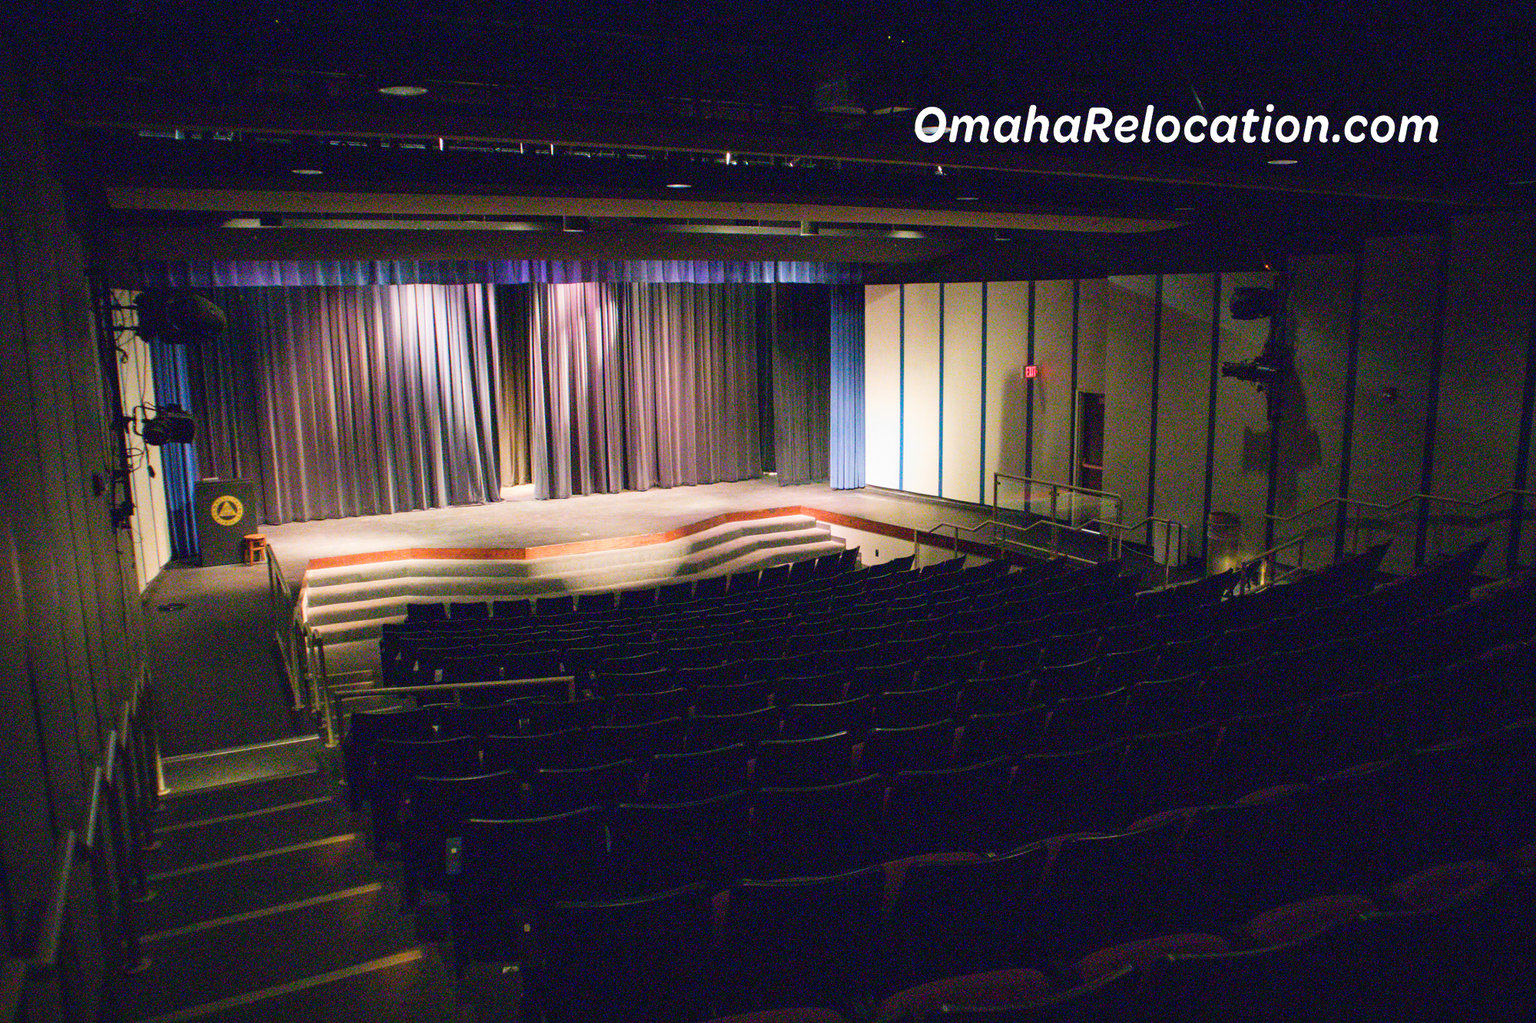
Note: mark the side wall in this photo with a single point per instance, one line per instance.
(1412, 358)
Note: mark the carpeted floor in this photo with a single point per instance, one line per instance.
(211, 648)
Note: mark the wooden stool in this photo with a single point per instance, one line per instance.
(255, 548)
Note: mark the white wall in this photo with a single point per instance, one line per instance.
(1479, 407)
(150, 526)
(882, 387)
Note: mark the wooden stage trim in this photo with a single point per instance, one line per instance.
(831, 518)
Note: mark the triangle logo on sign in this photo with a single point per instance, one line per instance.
(227, 510)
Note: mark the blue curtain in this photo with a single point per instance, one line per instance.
(847, 386)
(178, 462)
(314, 273)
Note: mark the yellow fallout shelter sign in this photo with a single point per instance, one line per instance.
(227, 510)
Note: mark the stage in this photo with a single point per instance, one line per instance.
(519, 520)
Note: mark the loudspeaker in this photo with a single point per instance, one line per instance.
(1252, 303)
(179, 319)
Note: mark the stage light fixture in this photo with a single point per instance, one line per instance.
(178, 319)
(169, 425)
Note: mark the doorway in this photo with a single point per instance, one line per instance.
(1089, 469)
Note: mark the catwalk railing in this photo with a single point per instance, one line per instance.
(79, 952)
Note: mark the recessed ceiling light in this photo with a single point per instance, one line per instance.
(308, 170)
(965, 198)
(1183, 209)
(678, 184)
(1280, 161)
(403, 90)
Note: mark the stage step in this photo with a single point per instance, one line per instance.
(350, 605)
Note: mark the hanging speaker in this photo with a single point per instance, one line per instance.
(179, 319)
(1252, 303)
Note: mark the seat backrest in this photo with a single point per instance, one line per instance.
(1010, 733)
(711, 731)
(639, 742)
(914, 706)
(396, 760)
(825, 917)
(805, 720)
(815, 760)
(697, 775)
(915, 747)
(533, 859)
(553, 789)
(525, 754)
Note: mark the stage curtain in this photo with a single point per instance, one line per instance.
(315, 273)
(178, 462)
(801, 353)
(513, 353)
(348, 401)
(577, 439)
(638, 386)
(847, 386)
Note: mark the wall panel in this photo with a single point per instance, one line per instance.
(1128, 316)
(1183, 389)
(1053, 386)
(962, 392)
(921, 418)
(1007, 337)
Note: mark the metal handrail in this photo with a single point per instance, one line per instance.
(115, 832)
(331, 700)
(1353, 502)
(1170, 526)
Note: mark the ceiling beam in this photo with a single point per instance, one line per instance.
(316, 201)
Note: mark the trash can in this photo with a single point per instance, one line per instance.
(1223, 534)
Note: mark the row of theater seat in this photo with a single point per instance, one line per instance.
(1270, 869)
(468, 848)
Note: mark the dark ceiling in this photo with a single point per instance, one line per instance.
(558, 129)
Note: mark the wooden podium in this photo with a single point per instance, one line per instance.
(226, 512)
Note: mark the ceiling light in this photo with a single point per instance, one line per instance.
(1280, 161)
(1001, 236)
(678, 184)
(308, 170)
(965, 198)
(938, 170)
(403, 90)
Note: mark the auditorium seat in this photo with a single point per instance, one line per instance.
(903, 708)
(560, 715)
(1057, 792)
(711, 731)
(634, 708)
(921, 747)
(365, 730)
(945, 809)
(994, 990)
(675, 777)
(953, 915)
(396, 762)
(1102, 890)
(435, 809)
(557, 789)
(806, 720)
(660, 845)
(525, 754)
(1078, 722)
(812, 760)
(1011, 733)
(638, 742)
(813, 829)
(501, 868)
(804, 939)
(629, 960)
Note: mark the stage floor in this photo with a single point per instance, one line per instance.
(522, 521)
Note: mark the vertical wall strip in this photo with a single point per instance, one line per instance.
(1210, 418)
(901, 387)
(1523, 443)
(982, 475)
(1347, 431)
(1073, 410)
(1157, 373)
(1432, 411)
(1029, 387)
(940, 487)
(1277, 333)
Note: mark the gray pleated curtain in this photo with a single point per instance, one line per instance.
(801, 357)
(642, 385)
(347, 401)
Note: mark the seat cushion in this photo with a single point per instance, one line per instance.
(1445, 885)
(1138, 953)
(1296, 920)
(998, 987)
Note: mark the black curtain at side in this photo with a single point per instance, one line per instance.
(801, 381)
(638, 386)
(345, 401)
(514, 352)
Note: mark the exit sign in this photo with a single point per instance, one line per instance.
(1031, 371)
